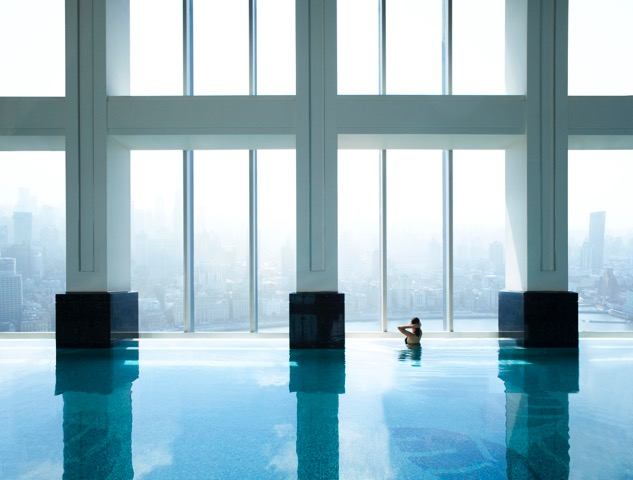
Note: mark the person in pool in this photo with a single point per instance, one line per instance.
(412, 337)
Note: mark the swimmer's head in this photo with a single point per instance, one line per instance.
(415, 321)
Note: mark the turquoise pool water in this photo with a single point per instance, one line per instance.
(250, 409)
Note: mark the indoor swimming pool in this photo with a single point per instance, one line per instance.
(250, 409)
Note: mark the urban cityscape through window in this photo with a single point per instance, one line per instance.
(478, 238)
(601, 238)
(157, 239)
(32, 184)
(415, 273)
(221, 240)
(32, 239)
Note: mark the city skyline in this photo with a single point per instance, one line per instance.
(35, 239)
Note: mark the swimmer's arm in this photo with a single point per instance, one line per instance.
(404, 331)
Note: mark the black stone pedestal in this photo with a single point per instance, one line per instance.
(543, 319)
(317, 320)
(94, 319)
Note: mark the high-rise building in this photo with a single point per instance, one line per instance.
(10, 296)
(23, 256)
(596, 241)
(4, 236)
(22, 228)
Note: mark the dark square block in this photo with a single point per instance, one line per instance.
(94, 319)
(317, 320)
(545, 319)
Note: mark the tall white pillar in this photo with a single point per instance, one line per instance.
(97, 168)
(316, 146)
(536, 169)
(316, 303)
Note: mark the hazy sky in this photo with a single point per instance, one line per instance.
(41, 172)
(600, 41)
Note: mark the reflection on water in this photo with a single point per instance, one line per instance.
(537, 387)
(412, 353)
(208, 409)
(318, 377)
(96, 386)
(537, 384)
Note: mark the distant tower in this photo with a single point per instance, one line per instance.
(4, 236)
(596, 241)
(22, 228)
(10, 296)
(585, 255)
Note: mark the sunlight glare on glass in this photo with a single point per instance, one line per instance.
(32, 48)
(156, 50)
(357, 55)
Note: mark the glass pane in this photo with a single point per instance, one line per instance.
(414, 46)
(359, 237)
(276, 221)
(600, 45)
(478, 237)
(221, 224)
(32, 239)
(479, 47)
(156, 53)
(220, 54)
(357, 37)
(601, 238)
(32, 48)
(414, 238)
(157, 239)
(276, 47)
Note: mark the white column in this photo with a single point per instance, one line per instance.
(536, 167)
(316, 146)
(97, 168)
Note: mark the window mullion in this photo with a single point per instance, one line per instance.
(447, 177)
(188, 227)
(382, 86)
(252, 155)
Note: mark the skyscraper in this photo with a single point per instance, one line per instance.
(596, 241)
(22, 228)
(10, 296)
(4, 236)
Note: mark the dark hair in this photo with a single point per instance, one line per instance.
(416, 331)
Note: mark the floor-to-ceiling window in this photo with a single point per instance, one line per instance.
(359, 237)
(157, 238)
(221, 240)
(230, 226)
(600, 227)
(478, 238)
(32, 239)
(33, 178)
(415, 244)
(408, 238)
(276, 237)
(601, 238)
